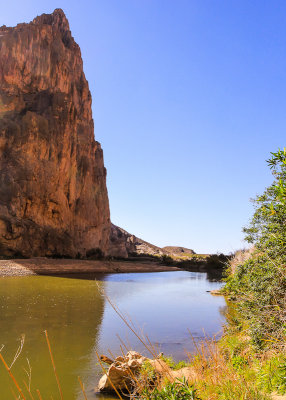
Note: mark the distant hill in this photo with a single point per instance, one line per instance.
(176, 250)
(124, 244)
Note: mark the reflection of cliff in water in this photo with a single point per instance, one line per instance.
(72, 315)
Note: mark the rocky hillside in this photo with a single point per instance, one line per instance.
(53, 197)
(124, 244)
(178, 251)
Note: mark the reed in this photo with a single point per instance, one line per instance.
(82, 387)
(12, 377)
(54, 366)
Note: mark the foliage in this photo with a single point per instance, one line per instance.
(172, 364)
(217, 260)
(148, 372)
(178, 390)
(259, 284)
(238, 362)
(166, 259)
(272, 375)
(227, 370)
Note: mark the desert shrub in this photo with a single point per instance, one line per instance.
(231, 390)
(259, 284)
(172, 364)
(217, 260)
(272, 375)
(168, 260)
(179, 390)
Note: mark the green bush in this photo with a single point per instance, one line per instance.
(272, 375)
(259, 284)
(179, 390)
(172, 364)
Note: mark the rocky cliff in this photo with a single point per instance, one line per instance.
(53, 197)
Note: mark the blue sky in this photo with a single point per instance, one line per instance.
(189, 99)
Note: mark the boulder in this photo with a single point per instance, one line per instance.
(124, 371)
(121, 372)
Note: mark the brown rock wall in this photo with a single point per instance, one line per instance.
(53, 196)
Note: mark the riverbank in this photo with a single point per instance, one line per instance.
(230, 369)
(51, 266)
(249, 361)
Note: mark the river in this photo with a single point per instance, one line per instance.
(165, 306)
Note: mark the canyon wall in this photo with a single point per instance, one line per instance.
(53, 196)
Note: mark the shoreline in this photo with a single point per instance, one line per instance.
(53, 266)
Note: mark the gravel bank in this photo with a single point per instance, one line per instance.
(47, 266)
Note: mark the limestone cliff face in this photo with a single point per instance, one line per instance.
(53, 197)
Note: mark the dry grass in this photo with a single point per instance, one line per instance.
(239, 258)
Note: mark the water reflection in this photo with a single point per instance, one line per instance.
(72, 314)
(80, 321)
(164, 306)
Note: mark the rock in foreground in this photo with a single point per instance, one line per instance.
(53, 196)
(123, 374)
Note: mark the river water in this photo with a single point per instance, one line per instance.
(165, 306)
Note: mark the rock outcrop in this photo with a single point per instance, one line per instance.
(123, 244)
(177, 250)
(53, 196)
(123, 375)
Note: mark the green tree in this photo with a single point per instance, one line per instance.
(259, 284)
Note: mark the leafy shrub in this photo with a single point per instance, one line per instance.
(272, 375)
(148, 373)
(172, 364)
(259, 284)
(168, 260)
(238, 362)
(179, 390)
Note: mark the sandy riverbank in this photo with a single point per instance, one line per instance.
(48, 266)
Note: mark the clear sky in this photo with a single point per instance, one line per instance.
(189, 98)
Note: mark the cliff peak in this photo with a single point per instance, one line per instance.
(57, 18)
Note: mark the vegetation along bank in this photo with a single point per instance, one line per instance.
(249, 362)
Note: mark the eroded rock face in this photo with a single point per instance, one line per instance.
(53, 196)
